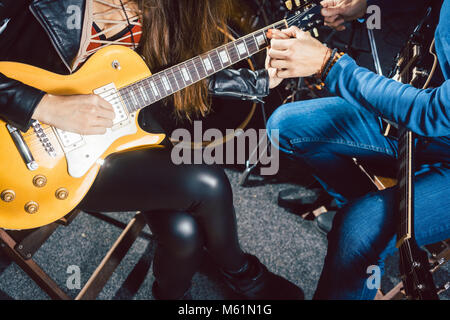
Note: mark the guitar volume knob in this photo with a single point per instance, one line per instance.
(62, 194)
(31, 207)
(39, 181)
(8, 195)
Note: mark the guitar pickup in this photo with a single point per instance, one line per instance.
(22, 147)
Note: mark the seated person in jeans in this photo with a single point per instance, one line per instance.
(327, 133)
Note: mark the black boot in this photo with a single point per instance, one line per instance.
(158, 295)
(255, 282)
(324, 222)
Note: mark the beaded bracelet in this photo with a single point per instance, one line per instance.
(332, 61)
(327, 65)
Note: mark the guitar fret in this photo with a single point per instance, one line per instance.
(123, 95)
(134, 98)
(208, 64)
(148, 89)
(166, 83)
(261, 40)
(160, 86)
(224, 56)
(242, 48)
(144, 95)
(133, 101)
(140, 95)
(214, 57)
(173, 80)
(154, 88)
(233, 52)
(192, 71)
(192, 63)
(187, 77)
(251, 45)
(200, 67)
(179, 77)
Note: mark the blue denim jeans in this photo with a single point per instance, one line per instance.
(325, 135)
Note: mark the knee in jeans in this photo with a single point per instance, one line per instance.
(351, 245)
(278, 121)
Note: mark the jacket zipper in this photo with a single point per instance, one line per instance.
(242, 96)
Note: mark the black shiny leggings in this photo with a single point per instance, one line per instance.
(187, 207)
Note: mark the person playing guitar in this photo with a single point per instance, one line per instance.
(188, 207)
(326, 134)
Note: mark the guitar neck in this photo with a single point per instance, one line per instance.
(405, 186)
(165, 83)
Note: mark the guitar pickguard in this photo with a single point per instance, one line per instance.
(82, 152)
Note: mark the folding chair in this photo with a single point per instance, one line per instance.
(20, 246)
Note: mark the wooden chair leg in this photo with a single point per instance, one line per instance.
(32, 268)
(20, 253)
(396, 293)
(112, 259)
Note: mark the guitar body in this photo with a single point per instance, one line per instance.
(50, 192)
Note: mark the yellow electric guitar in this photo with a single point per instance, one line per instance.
(46, 172)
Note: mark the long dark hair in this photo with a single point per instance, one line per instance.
(177, 30)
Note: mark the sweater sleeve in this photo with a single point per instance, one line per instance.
(425, 112)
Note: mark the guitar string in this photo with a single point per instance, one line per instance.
(193, 67)
(129, 101)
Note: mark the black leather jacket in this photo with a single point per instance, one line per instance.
(40, 33)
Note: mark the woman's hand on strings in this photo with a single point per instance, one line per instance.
(83, 114)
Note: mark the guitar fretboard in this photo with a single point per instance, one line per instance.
(405, 185)
(165, 83)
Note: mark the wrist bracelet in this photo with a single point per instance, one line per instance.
(330, 60)
(335, 57)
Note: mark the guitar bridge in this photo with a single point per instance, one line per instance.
(43, 138)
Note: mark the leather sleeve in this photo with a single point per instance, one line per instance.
(8, 8)
(241, 84)
(17, 102)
